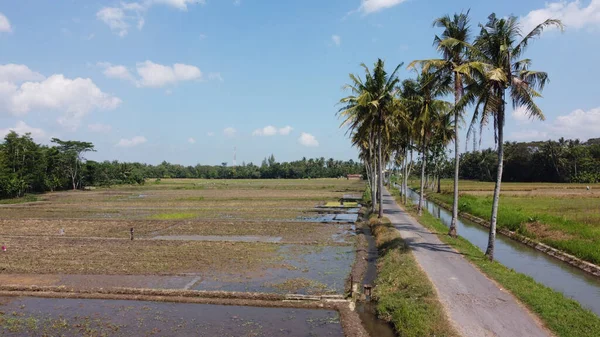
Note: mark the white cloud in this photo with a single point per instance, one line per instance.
(179, 4)
(372, 6)
(573, 14)
(135, 141)
(216, 77)
(229, 132)
(17, 73)
(89, 37)
(270, 130)
(5, 26)
(115, 18)
(100, 128)
(266, 131)
(74, 97)
(337, 40)
(284, 131)
(521, 116)
(307, 139)
(116, 71)
(22, 128)
(168, 92)
(158, 75)
(578, 124)
(210, 134)
(237, 2)
(120, 19)
(191, 140)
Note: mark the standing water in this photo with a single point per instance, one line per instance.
(558, 275)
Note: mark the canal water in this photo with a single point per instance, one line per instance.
(558, 275)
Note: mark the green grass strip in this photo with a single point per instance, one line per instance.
(26, 198)
(173, 216)
(563, 316)
(405, 296)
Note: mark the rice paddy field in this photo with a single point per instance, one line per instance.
(564, 216)
(255, 236)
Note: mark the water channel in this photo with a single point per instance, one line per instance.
(558, 275)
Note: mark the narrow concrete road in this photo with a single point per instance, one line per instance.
(475, 304)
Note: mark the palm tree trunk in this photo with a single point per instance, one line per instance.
(369, 180)
(373, 188)
(492, 237)
(457, 89)
(423, 164)
(380, 173)
(405, 178)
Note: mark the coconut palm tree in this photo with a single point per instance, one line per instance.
(423, 96)
(453, 45)
(498, 69)
(372, 104)
(360, 120)
(401, 138)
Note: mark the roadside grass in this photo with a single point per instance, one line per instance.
(405, 296)
(23, 199)
(563, 316)
(568, 224)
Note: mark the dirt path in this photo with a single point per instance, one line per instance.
(475, 304)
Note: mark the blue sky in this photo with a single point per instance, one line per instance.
(187, 81)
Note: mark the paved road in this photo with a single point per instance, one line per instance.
(474, 303)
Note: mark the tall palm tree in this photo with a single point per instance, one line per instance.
(401, 137)
(424, 94)
(372, 104)
(360, 120)
(452, 44)
(498, 51)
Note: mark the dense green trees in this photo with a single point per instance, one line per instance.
(27, 167)
(568, 161)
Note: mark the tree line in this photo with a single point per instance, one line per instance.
(388, 119)
(562, 161)
(28, 167)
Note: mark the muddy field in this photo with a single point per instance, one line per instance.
(234, 236)
(231, 235)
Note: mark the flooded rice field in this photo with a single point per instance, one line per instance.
(232, 236)
(76, 317)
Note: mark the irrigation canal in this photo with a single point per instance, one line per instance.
(558, 275)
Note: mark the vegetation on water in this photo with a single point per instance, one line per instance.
(566, 217)
(405, 296)
(563, 316)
